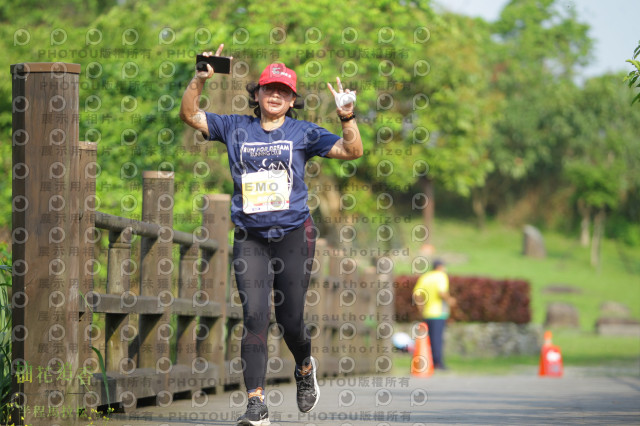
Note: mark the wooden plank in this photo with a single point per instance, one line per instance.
(183, 378)
(140, 383)
(148, 305)
(151, 230)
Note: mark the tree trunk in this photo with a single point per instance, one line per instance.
(479, 204)
(598, 232)
(585, 223)
(428, 213)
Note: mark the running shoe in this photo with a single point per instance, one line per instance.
(256, 415)
(308, 390)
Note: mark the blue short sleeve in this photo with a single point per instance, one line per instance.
(319, 141)
(219, 126)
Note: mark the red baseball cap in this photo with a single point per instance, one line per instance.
(279, 73)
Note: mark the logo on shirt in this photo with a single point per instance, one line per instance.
(266, 177)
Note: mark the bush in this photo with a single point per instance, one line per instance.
(623, 230)
(5, 332)
(406, 311)
(479, 299)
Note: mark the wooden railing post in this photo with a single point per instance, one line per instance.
(45, 238)
(119, 271)
(214, 283)
(156, 267)
(187, 289)
(88, 170)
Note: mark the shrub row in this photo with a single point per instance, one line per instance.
(479, 299)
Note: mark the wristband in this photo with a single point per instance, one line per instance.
(347, 117)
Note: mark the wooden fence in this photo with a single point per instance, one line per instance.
(162, 328)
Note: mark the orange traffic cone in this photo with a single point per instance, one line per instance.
(422, 361)
(550, 358)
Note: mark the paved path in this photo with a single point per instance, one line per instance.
(523, 399)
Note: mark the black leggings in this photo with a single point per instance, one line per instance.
(285, 264)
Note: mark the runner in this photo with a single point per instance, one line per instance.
(274, 238)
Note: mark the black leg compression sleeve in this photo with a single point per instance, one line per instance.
(259, 265)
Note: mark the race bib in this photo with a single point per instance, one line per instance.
(265, 191)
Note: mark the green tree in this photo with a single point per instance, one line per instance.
(633, 76)
(465, 106)
(602, 159)
(541, 46)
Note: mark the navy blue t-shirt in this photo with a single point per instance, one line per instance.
(267, 167)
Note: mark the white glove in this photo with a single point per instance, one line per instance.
(343, 99)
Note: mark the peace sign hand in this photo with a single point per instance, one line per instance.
(345, 99)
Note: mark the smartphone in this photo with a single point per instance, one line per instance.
(220, 64)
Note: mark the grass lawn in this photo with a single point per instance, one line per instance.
(497, 252)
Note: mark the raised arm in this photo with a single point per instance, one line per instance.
(190, 112)
(349, 147)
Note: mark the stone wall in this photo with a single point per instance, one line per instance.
(486, 339)
(492, 339)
